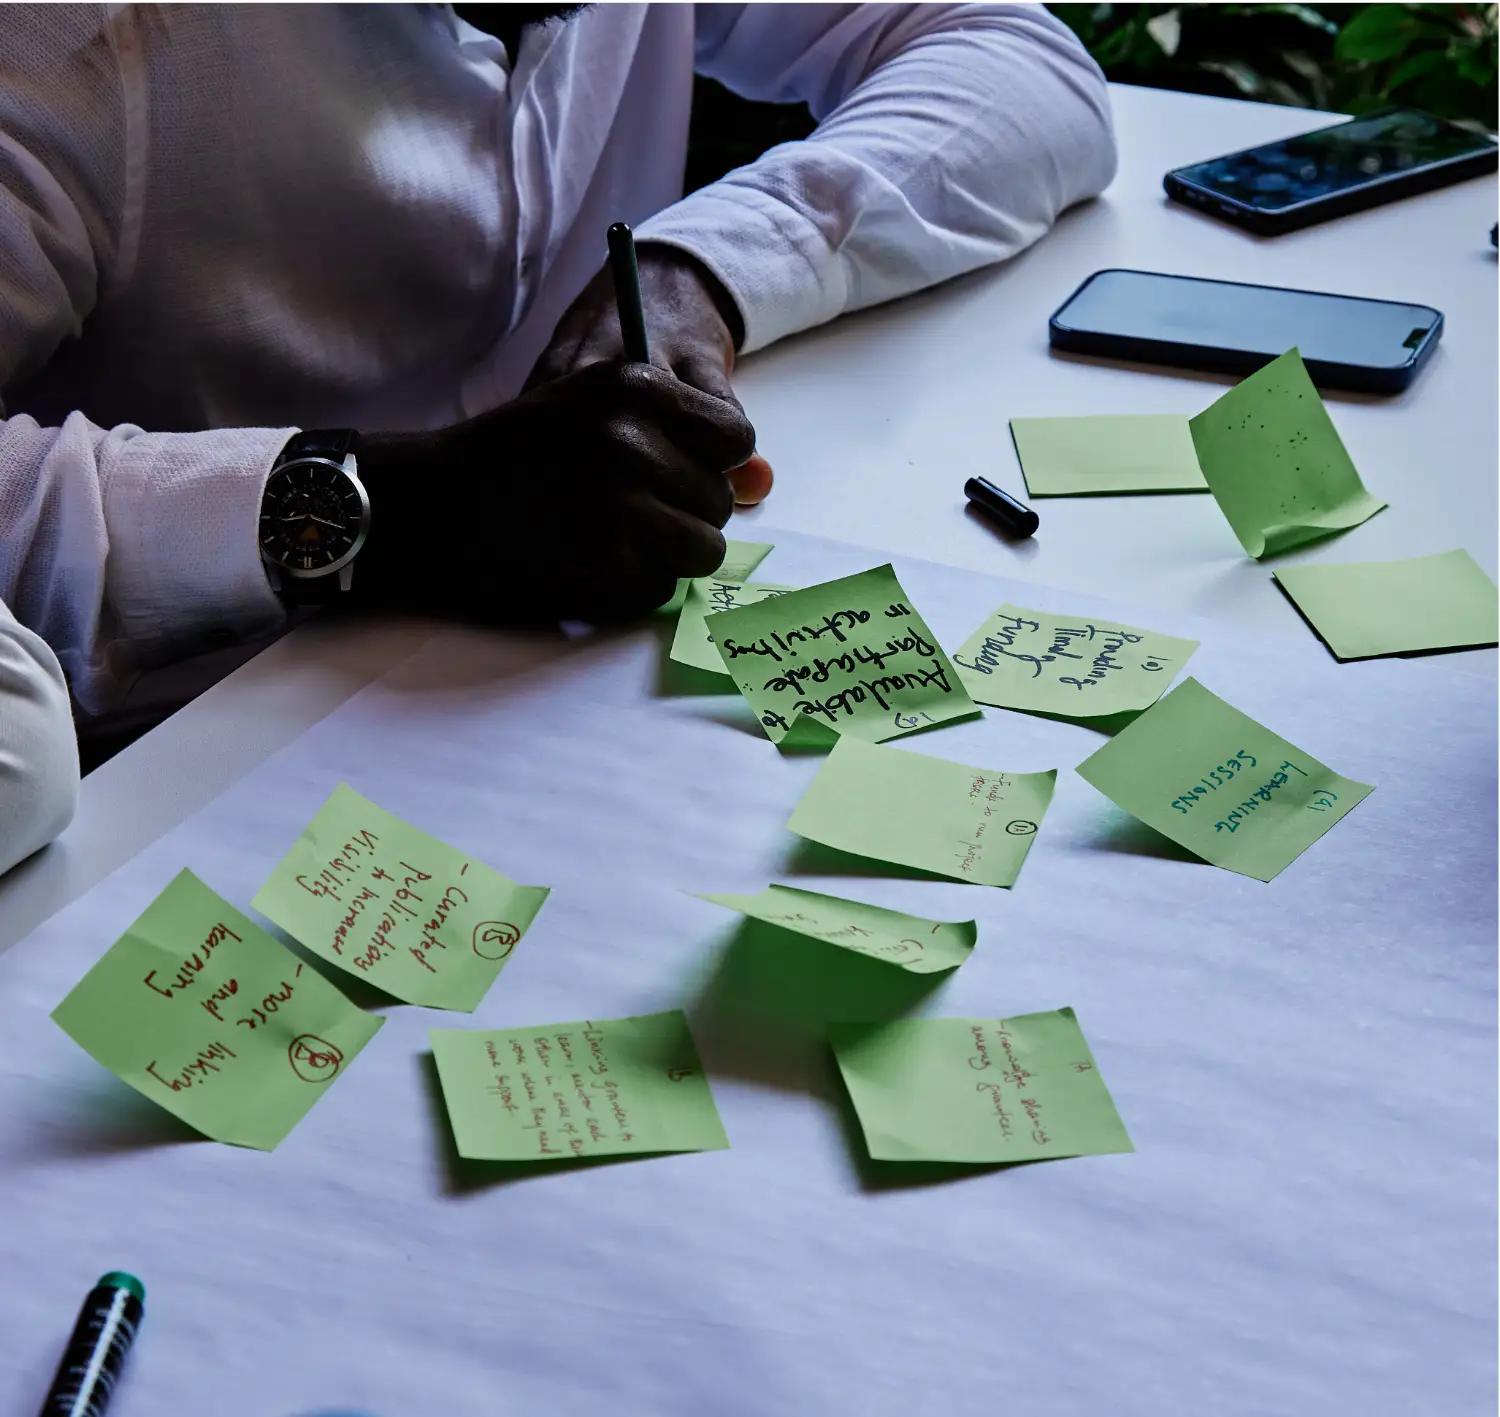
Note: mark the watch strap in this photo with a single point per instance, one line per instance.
(335, 444)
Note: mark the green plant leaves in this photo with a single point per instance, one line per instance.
(1350, 58)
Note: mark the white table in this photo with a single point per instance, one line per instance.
(1306, 1069)
(875, 422)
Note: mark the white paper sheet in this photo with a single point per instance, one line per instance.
(1307, 1069)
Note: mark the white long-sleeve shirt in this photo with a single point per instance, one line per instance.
(38, 755)
(219, 223)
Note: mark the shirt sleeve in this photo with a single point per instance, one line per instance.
(38, 753)
(949, 137)
(121, 548)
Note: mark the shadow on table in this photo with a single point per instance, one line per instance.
(1024, 546)
(107, 1117)
(1125, 835)
(463, 1177)
(812, 858)
(762, 1014)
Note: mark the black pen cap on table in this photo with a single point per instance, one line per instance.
(1015, 517)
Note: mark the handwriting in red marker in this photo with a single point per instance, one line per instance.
(314, 1059)
(677, 1074)
(495, 939)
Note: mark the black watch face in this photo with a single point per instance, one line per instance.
(310, 516)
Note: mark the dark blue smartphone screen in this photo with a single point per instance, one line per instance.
(1330, 160)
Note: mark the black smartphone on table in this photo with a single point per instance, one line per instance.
(1346, 341)
(1334, 171)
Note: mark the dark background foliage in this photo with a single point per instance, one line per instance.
(1343, 58)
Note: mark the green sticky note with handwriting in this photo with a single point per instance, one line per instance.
(907, 941)
(569, 1090)
(971, 824)
(692, 644)
(197, 1008)
(1073, 666)
(977, 1089)
(415, 917)
(1129, 452)
(1397, 607)
(1216, 782)
(1276, 464)
(739, 563)
(848, 656)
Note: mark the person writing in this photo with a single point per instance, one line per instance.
(307, 303)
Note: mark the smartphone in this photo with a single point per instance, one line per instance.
(1347, 342)
(1334, 171)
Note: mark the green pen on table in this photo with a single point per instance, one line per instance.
(91, 1363)
(628, 293)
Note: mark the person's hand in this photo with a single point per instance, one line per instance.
(692, 327)
(586, 498)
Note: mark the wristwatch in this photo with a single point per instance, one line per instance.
(314, 516)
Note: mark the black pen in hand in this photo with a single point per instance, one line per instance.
(628, 293)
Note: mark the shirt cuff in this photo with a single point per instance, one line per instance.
(184, 573)
(777, 266)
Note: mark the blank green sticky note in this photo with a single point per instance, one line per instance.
(849, 656)
(739, 563)
(197, 1008)
(972, 824)
(914, 944)
(977, 1089)
(741, 558)
(692, 644)
(565, 1090)
(1218, 783)
(1130, 452)
(418, 919)
(1394, 607)
(1275, 462)
(1070, 665)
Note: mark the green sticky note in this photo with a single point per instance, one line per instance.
(567, 1090)
(972, 824)
(849, 656)
(692, 644)
(741, 558)
(739, 563)
(197, 1008)
(1069, 665)
(1395, 607)
(1216, 782)
(977, 1089)
(1275, 462)
(908, 941)
(1130, 452)
(416, 918)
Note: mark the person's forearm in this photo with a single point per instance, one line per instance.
(38, 753)
(951, 137)
(125, 549)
